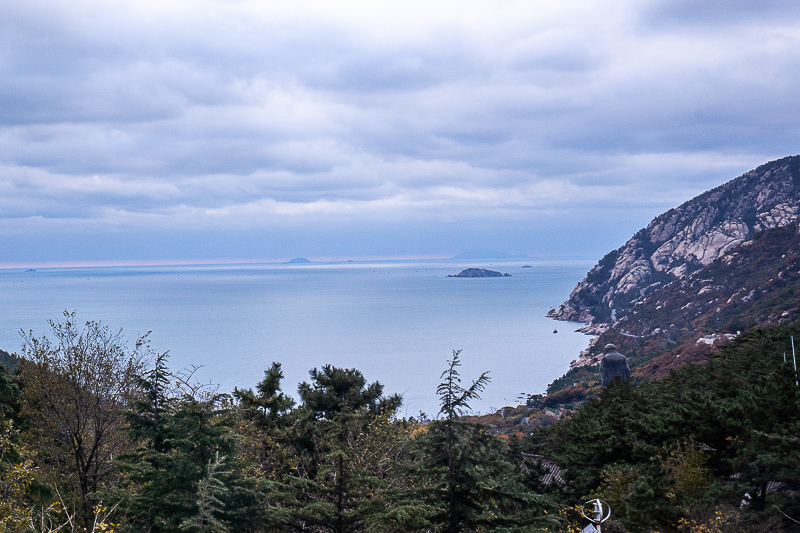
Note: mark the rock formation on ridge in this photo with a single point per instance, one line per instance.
(685, 239)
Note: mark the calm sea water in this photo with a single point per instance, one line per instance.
(396, 321)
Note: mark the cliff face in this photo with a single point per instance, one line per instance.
(686, 239)
(757, 284)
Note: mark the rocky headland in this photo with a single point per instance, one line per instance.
(721, 262)
(686, 239)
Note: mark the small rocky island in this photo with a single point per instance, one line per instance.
(479, 273)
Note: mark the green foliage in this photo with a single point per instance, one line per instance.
(9, 394)
(337, 390)
(338, 478)
(10, 361)
(210, 505)
(680, 454)
(468, 479)
(174, 476)
(453, 397)
(263, 420)
(268, 406)
(17, 475)
(74, 385)
(583, 374)
(622, 425)
(674, 450)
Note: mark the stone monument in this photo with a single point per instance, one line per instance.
(613, 364)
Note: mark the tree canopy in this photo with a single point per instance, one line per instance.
(98, 436)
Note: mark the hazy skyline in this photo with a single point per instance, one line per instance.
(211, 130)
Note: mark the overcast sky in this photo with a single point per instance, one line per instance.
(234, 129)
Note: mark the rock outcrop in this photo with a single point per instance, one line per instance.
(684, 240)
(478, 273)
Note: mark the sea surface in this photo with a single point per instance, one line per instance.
(398, 322)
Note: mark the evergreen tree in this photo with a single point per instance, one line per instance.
(329, 490)
(179, 434)
(268, 406)
(622, 426)
(468, 481)
(211, 491)
(263, 418)
(710, 435)
(9, 393)
(149, 425)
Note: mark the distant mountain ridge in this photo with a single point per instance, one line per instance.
(685, 240)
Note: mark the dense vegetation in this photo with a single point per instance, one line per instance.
(97, 436)
(712, 445)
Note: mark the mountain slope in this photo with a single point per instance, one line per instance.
(755, 284)
(685, 240)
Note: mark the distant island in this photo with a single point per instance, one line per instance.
(297, 261)
(478, 273)
(488, 254)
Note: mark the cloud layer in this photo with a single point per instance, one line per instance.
(236, 117)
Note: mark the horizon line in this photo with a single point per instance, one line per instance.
(95, 263)
(88, 263)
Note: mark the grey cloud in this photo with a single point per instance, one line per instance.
(556, 50)
(180, 117)
(665, 13)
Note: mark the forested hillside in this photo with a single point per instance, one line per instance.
(98, 437)
(711, 447)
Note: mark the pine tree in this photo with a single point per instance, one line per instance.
(269, 405)
(469, 482)
(179, 434)
(706, 436)
(329, 490)
(263, 418)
